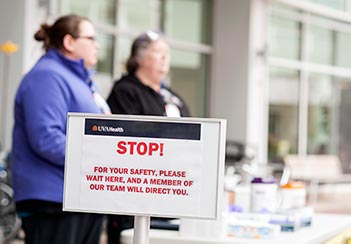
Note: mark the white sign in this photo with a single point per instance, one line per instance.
(138, 165)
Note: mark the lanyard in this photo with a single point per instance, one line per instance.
(98, 99)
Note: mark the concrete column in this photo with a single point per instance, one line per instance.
(229, 74)
(238, 90)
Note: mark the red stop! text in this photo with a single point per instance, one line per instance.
(140, 148)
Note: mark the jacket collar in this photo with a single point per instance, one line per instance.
(76, 66)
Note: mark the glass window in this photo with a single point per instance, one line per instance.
(329, 127)
(124, 46)
(181, 20)
(105, 64)
(139, 16)
(188, 79)
(284, 38)
(343, 49)
(106, 52)
(283, 112)
(320, 111)
(335, 4)
(320, 48)
(329, 97)
(98, 11)
(283, 8)
(187, 20)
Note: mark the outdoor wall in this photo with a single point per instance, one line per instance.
(18, 21)
(12, 27)
(239, 81)
(229, 78)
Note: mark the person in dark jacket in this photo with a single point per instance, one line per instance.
(60, 82)
(143, 92)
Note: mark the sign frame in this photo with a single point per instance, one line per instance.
(76, 138)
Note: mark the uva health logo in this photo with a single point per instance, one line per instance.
(102, 128)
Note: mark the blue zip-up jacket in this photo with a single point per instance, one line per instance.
(55, 86)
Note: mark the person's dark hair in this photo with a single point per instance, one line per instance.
(52, 35)
(140, 44)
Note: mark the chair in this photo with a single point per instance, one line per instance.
(316, 170)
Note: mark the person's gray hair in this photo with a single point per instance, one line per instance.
(140, 44)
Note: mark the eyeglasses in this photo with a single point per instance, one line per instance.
(92, 38)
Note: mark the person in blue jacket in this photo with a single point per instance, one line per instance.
(60, 82)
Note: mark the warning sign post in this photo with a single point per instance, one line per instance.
(144, 166)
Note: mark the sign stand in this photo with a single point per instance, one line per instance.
(141, 229)
(164, 166)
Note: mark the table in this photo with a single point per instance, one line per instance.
(324, 227)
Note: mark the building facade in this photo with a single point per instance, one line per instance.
(277, 70)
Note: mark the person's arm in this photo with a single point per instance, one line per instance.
(45, 105)
(124, 100)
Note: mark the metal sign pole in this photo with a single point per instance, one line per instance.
(141, 229)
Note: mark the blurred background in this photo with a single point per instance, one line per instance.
(279, 71)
